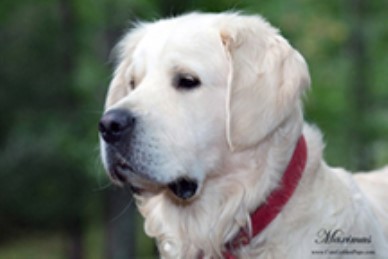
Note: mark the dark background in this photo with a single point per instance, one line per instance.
(55, 200)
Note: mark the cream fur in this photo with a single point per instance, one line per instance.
(235, 134)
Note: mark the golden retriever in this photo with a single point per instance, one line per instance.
(203, 119)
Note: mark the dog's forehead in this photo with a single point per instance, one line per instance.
(194, 35)
(194, 44)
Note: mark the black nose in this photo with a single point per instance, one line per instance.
(115, 124)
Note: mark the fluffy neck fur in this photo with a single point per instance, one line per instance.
(224, 206)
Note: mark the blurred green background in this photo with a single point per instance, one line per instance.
(55, 200)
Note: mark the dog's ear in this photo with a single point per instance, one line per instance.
(120, 85)
(267, 78)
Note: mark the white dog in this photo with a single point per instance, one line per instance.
(204, 120)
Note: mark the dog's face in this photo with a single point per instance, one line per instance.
(190, 91)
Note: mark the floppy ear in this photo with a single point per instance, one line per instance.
(267, 79)
(120, 85)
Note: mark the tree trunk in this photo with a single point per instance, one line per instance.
(359, 91)
(74, 228)
(66, 11)
(120, 224)
(75, 244)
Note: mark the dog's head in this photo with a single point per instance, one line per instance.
(189, 91)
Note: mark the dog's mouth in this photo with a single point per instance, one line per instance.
(183, 188)
(122, 173)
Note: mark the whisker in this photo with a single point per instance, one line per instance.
(121, 158)
(103, 187)
(124, 210)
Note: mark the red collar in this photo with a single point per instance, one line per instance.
(268, 211)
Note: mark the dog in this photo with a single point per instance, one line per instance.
(203, 120)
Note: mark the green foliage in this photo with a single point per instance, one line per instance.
(46, 141)
(34, 247)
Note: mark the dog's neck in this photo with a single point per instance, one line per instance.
(276, 200)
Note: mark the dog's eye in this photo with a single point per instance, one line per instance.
(132, 84)
(186, 81)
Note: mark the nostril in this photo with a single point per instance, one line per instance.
(114, 124)
(115, 127)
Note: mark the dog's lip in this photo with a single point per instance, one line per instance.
(183, 189)
(124, 173)
(118, 174)
(138, 183)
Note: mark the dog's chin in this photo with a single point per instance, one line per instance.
(181, 189)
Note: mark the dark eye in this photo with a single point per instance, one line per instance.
(132, 84)
(186, 81)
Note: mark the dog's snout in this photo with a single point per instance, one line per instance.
(115, 124)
